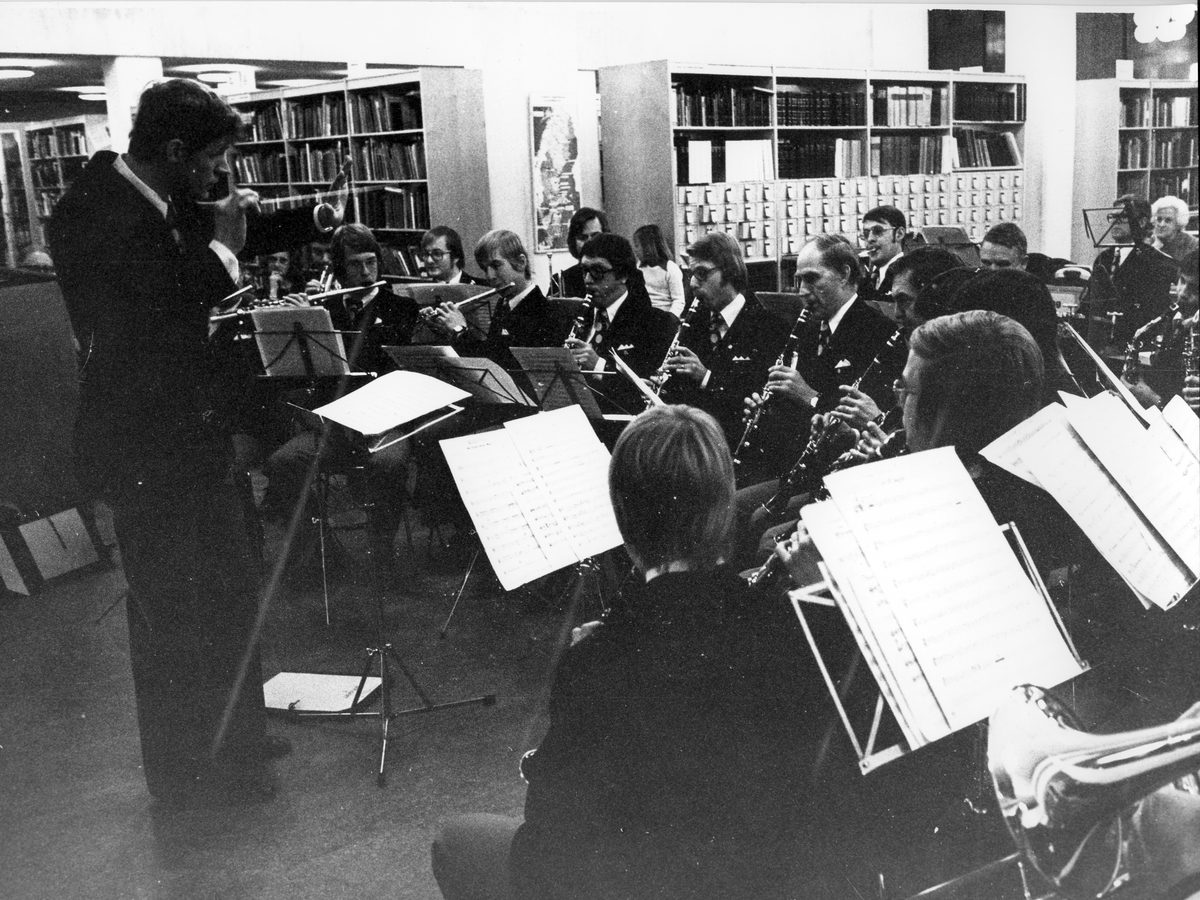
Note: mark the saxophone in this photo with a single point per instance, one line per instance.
(790, 355)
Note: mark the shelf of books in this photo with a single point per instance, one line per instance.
(1132, 137)
(416, 140)
(57, 152)
(773, 155)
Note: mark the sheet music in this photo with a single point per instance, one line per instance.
(517, 526)
(975, 623)
(562, 450)
(1175, 448)
(1164, 496)
(388, 401)
(1005, 451)
(883, 642)
(1075, 478)
(1184, 422)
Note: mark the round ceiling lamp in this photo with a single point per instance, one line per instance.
(12, 74)
(1163, 24)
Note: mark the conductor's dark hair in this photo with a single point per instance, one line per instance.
(509, 246)
(579, 220)
(838, 254)
(651, 247)
(616, 250)
(671, 483)
(180, 108)
(889, 214)
(982, 376)
(722, 251)
(923, 265)
(454, 242)
(350, 240)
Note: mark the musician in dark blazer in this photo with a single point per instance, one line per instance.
(443, 256)
(624, 321)
(585, 224)
(883, 232)
(724, 357)
(141, 262)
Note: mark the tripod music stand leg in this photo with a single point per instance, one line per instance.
(461, 588)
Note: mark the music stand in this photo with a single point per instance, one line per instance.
(299, 341)
(383, 652)
(1099, 225)
(557, 379)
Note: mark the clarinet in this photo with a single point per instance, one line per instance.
(888, 346)
(790, 355)
(578, 327)
(1131, 370)
(894, 446)
(662, 375)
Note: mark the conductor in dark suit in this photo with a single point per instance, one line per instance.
(724, 357)
(623, 321)
(141, 263)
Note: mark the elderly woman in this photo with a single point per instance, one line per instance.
(1170, 218)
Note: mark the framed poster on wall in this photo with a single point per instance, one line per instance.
(555, 177)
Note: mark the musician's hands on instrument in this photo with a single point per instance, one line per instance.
(294, 300)
(687, 364)
(800, 555)
(788, 384)
(871, 440)
(444, 318)
(583, 353)
(855, 408)
(229, 213)
(1191, 392)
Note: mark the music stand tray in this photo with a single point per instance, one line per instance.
(557, 380)
(299, 341)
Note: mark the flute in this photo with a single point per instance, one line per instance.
(429, 311)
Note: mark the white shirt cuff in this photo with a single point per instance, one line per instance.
(228, 259)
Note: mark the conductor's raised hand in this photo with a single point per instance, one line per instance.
(229, 213)
(339, 194)
(684, 362)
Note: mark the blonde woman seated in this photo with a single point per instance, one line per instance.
(664, 278)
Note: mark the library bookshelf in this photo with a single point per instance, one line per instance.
(1132, 137)
(771, 155)
(56, 152)
(416, 139)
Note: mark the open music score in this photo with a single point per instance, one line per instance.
(537, 492)
(945, 615)
(1132, 491)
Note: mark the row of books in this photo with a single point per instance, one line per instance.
(406, 207)
(986, 149)
(45, 201)
(893, 154)
(401, 260)
(989, 103)
(1135, 112)
(44, 173)
(316, 163)
(702, 105)
(1174, 112)
(1132, 154)
(58, 142)
(818, 106)
(386, 111)
(1175, 150)
(323, 116)
(708, 162)
(265, 124)
(821, 157)
(910, 106)
(377, 159)
(256, 168)
(1176, 184)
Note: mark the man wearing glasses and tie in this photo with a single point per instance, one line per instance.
(883, 231)
(732, 342)
(443, 257)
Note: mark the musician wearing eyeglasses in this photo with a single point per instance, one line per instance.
(732, 342)
(623, 321)
(442, 256)
(882, 236)
(681, 757)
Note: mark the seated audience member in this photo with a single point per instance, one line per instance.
(443, 257)
(623, 321)
(883, 232)
(1004, 247)
(1165, 341)
(1026, 299)
(371, 320)
(681, 751)
(1170, 220)
(724, 357)
(522, 317)
(664, 278)
(281, 275)
(1131, 282)
(585, 223)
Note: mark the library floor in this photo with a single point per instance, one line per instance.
(75, 818)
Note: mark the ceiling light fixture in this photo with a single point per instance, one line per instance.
(94, 96)
(10, 74)
(1169, 24)
(215, 77)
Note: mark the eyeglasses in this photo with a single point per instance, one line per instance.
(902, 391)
(596, 273)
(435, 255)
(875, 231)
(701, 273)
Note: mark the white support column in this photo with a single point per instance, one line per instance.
(125, 77)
